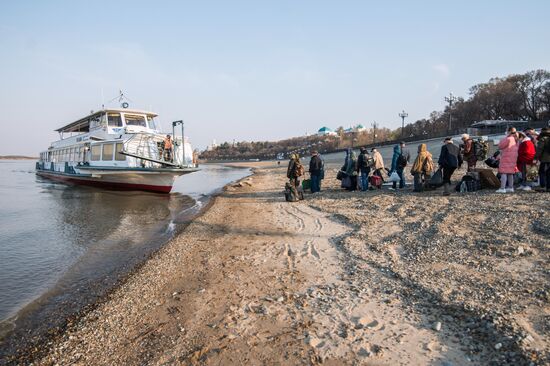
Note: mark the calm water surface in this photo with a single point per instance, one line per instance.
(57, 242)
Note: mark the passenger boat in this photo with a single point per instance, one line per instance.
(117, 148)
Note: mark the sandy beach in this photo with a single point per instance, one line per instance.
(354, 278)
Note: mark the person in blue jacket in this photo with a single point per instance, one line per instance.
(398, 163)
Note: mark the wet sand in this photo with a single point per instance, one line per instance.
(376, 278)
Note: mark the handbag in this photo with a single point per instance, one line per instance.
(437, 179)
(394, 177)
(532, 172)
(346, 182)
(340, 175)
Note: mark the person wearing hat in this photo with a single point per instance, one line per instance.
(449, 160)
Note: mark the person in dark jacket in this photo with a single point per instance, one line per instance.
(364, 162)
(316, 171)
(350, 170)
(449, 160)
(543, 156)
(399, 162)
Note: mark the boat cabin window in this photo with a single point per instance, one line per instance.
(108, 150)
(118, 155)
(135, 120)
(115, 120)
(96, 152)
(152, 123)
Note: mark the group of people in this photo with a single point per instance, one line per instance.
(518, 152)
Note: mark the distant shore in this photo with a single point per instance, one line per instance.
(341, 278)
(17, 157)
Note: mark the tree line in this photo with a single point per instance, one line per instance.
(523, 97)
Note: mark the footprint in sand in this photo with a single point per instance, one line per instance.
(290, 257)
(300, 224)
(310, 251)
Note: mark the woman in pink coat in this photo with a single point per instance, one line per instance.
(508, 147)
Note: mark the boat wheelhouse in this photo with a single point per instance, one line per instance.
(118, 148)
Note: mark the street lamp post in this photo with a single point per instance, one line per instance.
(374, 125)
(403, 115)
(450, 99)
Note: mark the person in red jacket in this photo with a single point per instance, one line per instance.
(526, 154)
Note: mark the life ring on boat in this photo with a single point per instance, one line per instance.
(125, 105)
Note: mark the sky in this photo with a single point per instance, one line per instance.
(254, 70)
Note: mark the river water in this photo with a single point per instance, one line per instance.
(61, 247)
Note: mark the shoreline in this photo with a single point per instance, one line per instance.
(14, 334)
(257, 280)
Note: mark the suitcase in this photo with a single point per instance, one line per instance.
(376, 181)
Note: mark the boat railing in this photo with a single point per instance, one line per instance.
(150, 147)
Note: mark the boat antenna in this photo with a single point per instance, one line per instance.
(120, 98)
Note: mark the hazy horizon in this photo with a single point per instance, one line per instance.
(254, 71)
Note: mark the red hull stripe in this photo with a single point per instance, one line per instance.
(108, 185)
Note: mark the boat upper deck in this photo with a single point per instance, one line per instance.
(113, 117)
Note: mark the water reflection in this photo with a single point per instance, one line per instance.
(66, 245)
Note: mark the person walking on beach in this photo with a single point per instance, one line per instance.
(422, 168)
(295, 170)
(398, 163)
(526, 154)
(507, 167)
(469, 152)
(543, 156)
(378, 162)
(449, 160)
(315, 170)
(350, 170)
(364, 163)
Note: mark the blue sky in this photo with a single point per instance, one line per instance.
(254, 70)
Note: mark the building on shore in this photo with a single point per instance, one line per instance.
(325, 131)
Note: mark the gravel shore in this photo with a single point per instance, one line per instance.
(373, 278)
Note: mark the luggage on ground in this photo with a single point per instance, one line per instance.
(346, 182)
(468, 184)
(306, 184)
(292, 194)
(376, 181)
(437, 179)
(487, 178)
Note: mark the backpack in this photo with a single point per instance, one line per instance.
(299, 169)
(481, 149)
(367, 161)
(402, 161)
(428, 165)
